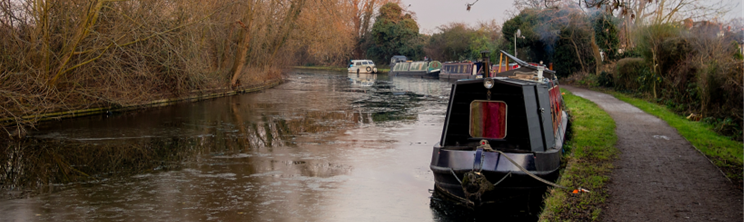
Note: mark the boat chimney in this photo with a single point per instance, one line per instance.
(486, 64)
(540, 69)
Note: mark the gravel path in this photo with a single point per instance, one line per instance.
(659, 176)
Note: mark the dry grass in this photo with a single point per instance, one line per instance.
(63, 55)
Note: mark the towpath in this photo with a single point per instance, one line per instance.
(659, 176)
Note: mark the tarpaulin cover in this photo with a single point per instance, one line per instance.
(488, 119)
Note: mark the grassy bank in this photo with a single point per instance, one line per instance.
(725, 153)
(589, 154)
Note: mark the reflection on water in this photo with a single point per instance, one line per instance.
(323, 146)
(362, 79)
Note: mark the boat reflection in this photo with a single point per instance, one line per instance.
(362, 79)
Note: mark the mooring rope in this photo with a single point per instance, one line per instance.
(453, 174)
(527, 171)
(502, 179)
(487, 147)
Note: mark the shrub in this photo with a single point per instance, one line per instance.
(627, 72)
(605, 79)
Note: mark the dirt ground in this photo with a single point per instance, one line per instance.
(659, 176)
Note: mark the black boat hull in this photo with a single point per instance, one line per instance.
(514, 189)
(504, 169)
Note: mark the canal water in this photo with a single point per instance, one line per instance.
(324, 146)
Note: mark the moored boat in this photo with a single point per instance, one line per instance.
(461, 70)
(362, 66)
(502, 133)
(425, 69)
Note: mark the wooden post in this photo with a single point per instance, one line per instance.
(507, 63)
(501, 60)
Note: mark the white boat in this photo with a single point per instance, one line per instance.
(362, 66)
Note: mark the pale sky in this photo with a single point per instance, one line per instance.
(433, 13)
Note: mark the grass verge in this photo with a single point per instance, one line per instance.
(589, 154)
(725, 153)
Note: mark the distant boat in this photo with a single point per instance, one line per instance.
(502, 135)
(362, 66)
(461, 70)
(423, 69)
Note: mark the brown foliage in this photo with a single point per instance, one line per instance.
(68, 55)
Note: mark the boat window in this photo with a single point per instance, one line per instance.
(371, 63)
(488, 119)
(405, 66)
(364, 63)
(358, 63)
(417, 66)
(461, 69)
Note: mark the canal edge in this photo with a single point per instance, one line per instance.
(154, 103)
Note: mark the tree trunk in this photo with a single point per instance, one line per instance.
(597, 56)
(242, 54)
(287, 27)
(578, 54)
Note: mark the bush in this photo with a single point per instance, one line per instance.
(627, 72)
(605, 79)
(689, 71)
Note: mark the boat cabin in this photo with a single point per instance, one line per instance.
(477, 113)
(461, 70)
(508, 125)
(427, 69)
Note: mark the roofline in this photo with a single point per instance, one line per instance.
(525, 64)
(503, 80)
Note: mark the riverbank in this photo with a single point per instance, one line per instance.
(658, 175)
(195, 95)
(723, 151)
(588, 158)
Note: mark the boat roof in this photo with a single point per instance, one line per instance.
(502, 80)
(526, 64)
(525, 70)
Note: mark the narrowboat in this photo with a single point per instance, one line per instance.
(396, 59)
(425, 69)
(461, 70)
(503, 135)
